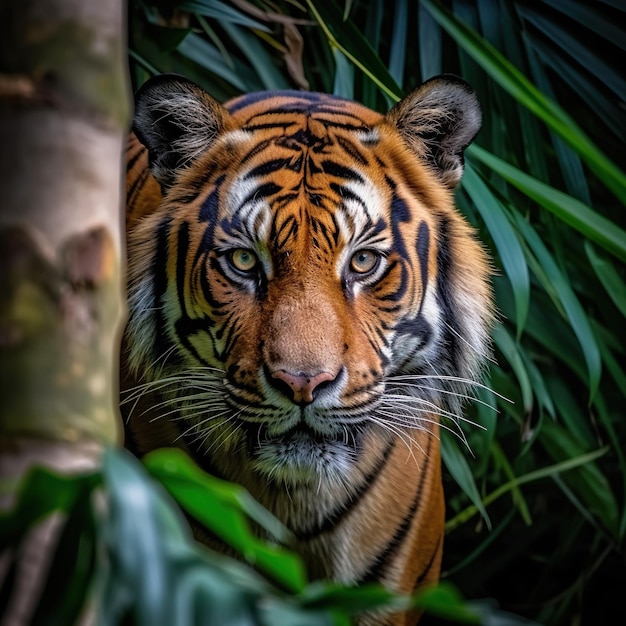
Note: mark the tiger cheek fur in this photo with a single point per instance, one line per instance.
(305, 307)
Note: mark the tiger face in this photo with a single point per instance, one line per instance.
(303, 296)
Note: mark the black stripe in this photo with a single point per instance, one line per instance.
(159, 272)
(338, 170)
(445, 293)
(130, 164)
(136, 187)
(284, 126)
(288, 230)
(378, 568)
(352, 149)
(423, 250)
(426, 571)
(263, 191)
(400, 291)
(185, 325)
(268, 167)
(335, 517)
(320, 228)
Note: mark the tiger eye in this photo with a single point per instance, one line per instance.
(363, 261)
(243, 260)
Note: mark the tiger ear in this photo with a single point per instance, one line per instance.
(438, 121)
(177, 121)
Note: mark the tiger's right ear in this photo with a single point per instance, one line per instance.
(177, 121)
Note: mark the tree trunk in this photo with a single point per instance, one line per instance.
(63, 116)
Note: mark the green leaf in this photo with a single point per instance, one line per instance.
(347, 38)
(41, 493)
(608, 276)
(459, 468)
(505, 239)
(344, 76)
(223, 508)
(158, 575)
(585, 56)
(587, 480)
(444, 601)
(587, 17)
(514, 82)
(351, 600)
(73, 568)
(202, 52)
(510, 350)
(249, 45)
(570, 210)
(221, 12)
(429, 38)
(565, 297)
(605, 499)
(398, 41)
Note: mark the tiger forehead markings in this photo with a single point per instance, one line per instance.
(306, 306)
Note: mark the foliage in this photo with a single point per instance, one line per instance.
(125, 550)
(544, 186)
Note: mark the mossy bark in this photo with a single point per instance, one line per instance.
(63, 115)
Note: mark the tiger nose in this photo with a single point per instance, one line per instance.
(301, 386)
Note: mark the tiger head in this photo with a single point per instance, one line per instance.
(303, 290)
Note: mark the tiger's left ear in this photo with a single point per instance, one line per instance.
(438, 121)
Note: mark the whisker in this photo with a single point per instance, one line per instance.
(447, 392)
(464, 381)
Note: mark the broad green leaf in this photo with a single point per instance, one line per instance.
(505, 239)
(482, 438)
(429, 37)
(510, 350)
(223, 508)
(143, 62)
(537, 383)
(516, 492)
(587, 17)
(344, 76)
(250, 45)
(514, 82)
(158, 574)
(570, 303)
(571, 166)
(445, 601)
(352, 600)
(208, 56)
(571, 211)
(569, 411)
(554, 334)
(460, 470)
(607, 111)
(585, 56)
(609, 278)
(398, 42)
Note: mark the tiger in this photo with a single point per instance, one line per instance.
(306, 309)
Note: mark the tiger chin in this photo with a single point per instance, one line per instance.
(306, 306)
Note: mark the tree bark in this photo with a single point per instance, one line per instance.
(64, 112)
